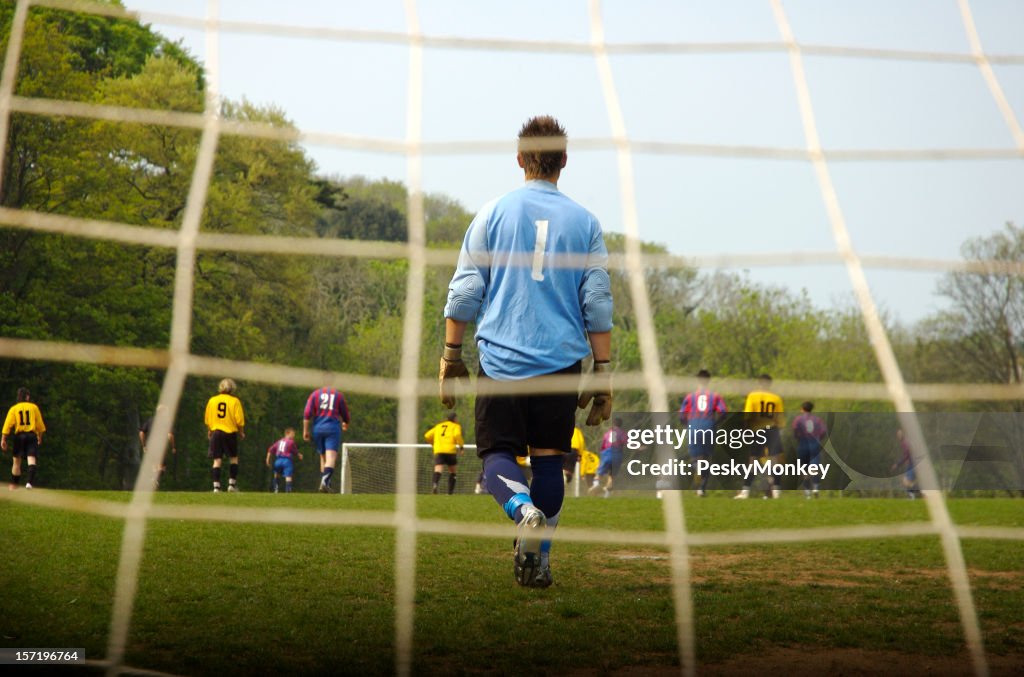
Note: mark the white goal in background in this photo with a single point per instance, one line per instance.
(371, 468)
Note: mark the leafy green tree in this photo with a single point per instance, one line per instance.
(983, 332)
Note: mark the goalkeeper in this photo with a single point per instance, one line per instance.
(533, 275)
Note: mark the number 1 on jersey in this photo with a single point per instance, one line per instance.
(538, 250)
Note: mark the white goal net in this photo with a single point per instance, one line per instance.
(404, 469)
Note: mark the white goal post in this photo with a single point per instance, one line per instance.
(370, 468)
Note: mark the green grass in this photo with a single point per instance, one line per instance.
(221, 598)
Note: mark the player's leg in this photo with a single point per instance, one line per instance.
(803, 456)
(288, 470)
(775, 457)
(603, 470)
(501, 435)
(451, 478)
(815, 480)
(330, 462)
(910, 482)
(569, 461)
(748, 481)
(552, 419)
(33, 465)
(330, 440)
(436, 479)
(15, 469)
(613, 470)
(216, 453)
(699, 453)
(231, 451)
(479, 489)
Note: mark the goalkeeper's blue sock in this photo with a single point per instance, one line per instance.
(547, 490)
(506, 483)
(328, 471)
(288, 486)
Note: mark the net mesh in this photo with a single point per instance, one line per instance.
(180, 363)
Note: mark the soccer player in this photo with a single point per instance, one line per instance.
(225, 421)
(589, 462)
(611, 458)
(446, 437)
(533, 275)
(282, 452)
(324, 419)
(144, 430)
(810, 432)
(700, 412)
(763, 410)
(579, 447)
(25, 422)
(906, 459)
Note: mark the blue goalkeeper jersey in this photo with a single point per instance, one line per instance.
(533, 274)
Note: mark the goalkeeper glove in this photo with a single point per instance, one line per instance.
(598, 388)
(452, 368)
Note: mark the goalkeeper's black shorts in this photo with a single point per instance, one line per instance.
(515, 423)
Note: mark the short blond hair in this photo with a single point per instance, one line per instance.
(226, 385)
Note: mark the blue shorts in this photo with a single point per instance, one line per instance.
(327, 437)
(809, 452)
(910, 475)
(611, 460)
(284, 465)
(700, 451)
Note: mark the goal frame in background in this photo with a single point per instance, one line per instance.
(347, 448)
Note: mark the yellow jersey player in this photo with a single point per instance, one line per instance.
(574, 456)
(225, 421)
(764, 411)
(446, 437)
(25, 422)
(589, 461)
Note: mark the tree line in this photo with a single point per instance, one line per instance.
(338, 314)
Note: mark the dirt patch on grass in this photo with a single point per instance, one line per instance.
(797, 662)
(855, 663)
(796, 568)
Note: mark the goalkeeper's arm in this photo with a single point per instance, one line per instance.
(596, 303)
(598, 386)
(452, 367)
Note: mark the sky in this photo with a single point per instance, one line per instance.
(694, 205)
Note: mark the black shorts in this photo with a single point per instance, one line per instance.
(223, 444)
(773, 444)
(446, 459)
(25, 445)
(515, 422)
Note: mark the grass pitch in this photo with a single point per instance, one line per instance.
(226, 598)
